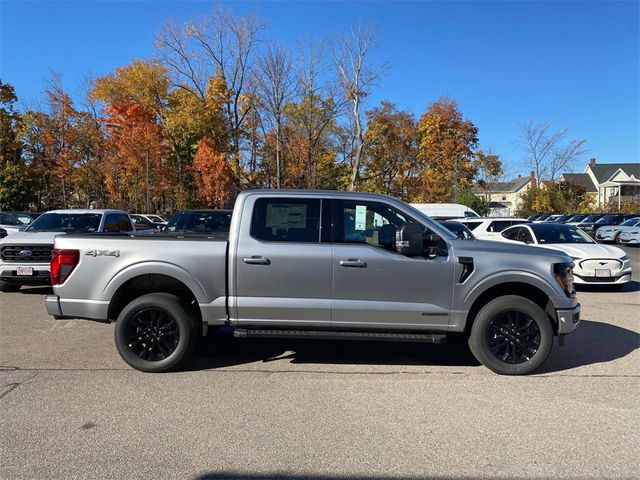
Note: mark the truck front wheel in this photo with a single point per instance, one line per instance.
(511, 335)
(154, 333)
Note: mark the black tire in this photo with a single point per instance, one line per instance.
(514, 325)
(8, 287)
(155, 321)
(617, 239)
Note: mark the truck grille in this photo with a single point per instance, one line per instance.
(18, 253)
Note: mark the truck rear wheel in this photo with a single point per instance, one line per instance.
(511, 335)
(154, 333)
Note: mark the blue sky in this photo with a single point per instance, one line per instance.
(570, 64)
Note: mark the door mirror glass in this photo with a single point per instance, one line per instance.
(410, 239)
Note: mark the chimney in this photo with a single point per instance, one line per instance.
(592, 162)
(532, 176)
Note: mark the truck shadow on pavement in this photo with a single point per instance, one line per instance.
(592, 343)
(293, 476)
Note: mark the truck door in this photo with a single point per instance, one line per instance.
(376, 287)
(282, 270)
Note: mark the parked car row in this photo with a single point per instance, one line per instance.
(593, 263)
(604, 227)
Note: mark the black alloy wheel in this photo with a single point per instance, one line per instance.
(156, 332)
(152, 334)
(514, 337)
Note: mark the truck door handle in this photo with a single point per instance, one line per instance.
(256, 260)
(353, 262)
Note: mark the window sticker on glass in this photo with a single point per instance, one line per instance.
(361, 217)
(378, 220)
(283, 215)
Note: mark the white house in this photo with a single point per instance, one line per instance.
(609, 183)
(505, 197)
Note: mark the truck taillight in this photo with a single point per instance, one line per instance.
(63, 262)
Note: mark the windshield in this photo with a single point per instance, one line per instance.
(458, 230)
(576, 218)
(591, 218)
(8, 219)
(66, 222)
(140, 219)
(548, 234)
(630, 223)
(155, 218)
(606, 219)
(200, 222)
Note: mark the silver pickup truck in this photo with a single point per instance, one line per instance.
(321, 265)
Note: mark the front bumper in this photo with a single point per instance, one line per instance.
(41, 274)
(568, 319)
(606, 237)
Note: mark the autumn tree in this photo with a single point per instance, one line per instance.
(357, 74)
(214, 178)
(9, 126)
(548, 152)
(275, 82)
(390, 161)
(221, 42)
(447, 142)
(489, 170)
(138, 174)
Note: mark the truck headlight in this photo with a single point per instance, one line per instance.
(564, 276)
(624, 259)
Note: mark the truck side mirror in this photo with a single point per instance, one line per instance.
(410, 240)
(433, 244)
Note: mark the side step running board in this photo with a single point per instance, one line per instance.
(339, 335)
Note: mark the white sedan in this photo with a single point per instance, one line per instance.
(594, 263)
(611, 233)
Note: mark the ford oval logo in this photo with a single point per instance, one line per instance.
(26, 253)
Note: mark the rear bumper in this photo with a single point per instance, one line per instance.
(52, 304)
(568, 319)
(72, 308)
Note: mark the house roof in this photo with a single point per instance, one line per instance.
(510, 186)
(582, 179)
(604, 171)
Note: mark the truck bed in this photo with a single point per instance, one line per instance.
(108, 262)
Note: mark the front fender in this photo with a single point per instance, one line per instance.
(511, 276)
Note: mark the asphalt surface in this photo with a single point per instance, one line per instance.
(70, 408)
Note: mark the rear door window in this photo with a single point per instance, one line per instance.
(111, 223)
(124, 224)
(286, 220)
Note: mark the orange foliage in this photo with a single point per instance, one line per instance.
(214, 178)
(137, 143)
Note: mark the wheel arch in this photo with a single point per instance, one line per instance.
(522, 289)
(146, 283)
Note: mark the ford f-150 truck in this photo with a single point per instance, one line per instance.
(321, 265)
(25, 256)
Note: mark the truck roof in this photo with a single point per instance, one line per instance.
(303, 193)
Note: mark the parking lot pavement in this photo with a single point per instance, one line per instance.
(70, 408)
